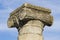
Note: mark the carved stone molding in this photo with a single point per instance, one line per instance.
(30, 17)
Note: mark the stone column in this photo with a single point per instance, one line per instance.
(30, 21)
(32, 30)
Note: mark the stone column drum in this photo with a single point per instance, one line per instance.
(30, 21)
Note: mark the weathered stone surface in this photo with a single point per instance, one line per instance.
(30, 21)
(32, 30)
(27, 12)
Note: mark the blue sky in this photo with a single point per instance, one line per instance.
(7, 6)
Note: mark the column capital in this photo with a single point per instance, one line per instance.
(27, 12)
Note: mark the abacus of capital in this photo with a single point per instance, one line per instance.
(30, 21)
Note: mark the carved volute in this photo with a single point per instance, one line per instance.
(30, 19)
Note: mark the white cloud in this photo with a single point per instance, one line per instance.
(54, 28)
(56, 25)
(4, 27)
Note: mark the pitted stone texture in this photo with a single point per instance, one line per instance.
(30, 37)
(30, 14)
(33, 26)
(31, 31)
(30, 21)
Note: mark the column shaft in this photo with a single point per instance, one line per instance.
(31, 31)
